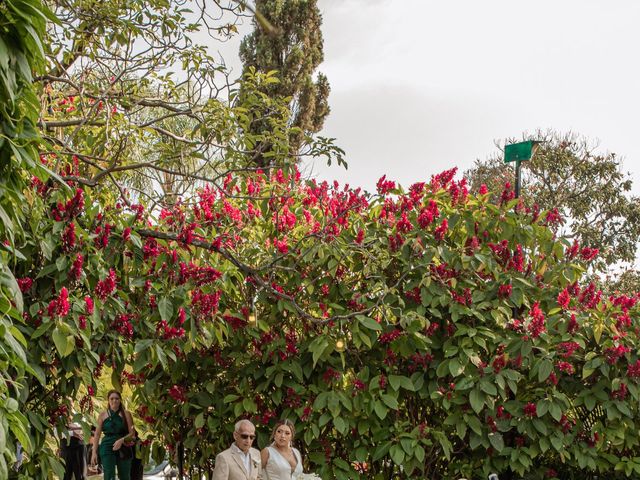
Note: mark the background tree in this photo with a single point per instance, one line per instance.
(292, 46)
(589, 189)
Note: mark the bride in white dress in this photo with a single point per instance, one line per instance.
(280, 461)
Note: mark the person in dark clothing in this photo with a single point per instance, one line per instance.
(72, 451)
(137, 465)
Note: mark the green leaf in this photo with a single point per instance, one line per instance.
(64, 343)
(476, 398)
(369, 323)
(496, 440)
(544, 370)
(390, 401)
(341, 425)
(380, 409)
(166, 309)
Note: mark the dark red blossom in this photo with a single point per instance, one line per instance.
(59, 307)
(330, 375)
(442, 230)
(613, 354)
(565, 367)
(386, 338)
(25, 284)
(89, 304)
(620, 393)
(69, 237)
(122, 324)
(530, 410)
(107, 287)
(504, 291)
(507, 194)
(205, 305)
(588, 254)
(178, 393)
(564, 298)
(76, 268)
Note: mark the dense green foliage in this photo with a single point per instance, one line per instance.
(22, 25)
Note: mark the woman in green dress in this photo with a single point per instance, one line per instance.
(117, 425)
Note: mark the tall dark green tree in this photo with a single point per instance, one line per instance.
(287, 38)
(588, 187)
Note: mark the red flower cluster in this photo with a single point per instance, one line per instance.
(107, 287)
(442, 230)
(386, 338)
(633, 369)
(102, 236)
(25, 284)
(205, 305)
(167, 332)
(178, 393)
(565, 367)
(568, 348)
(530, 410)
(69, 237)
(613, 354)
(384, 186)
(504, 291)
(122, 325)
(564, 298)
(199, 275)
(428, 214)
(89, 304)
(589, 254)
(620, 393)
(330, 375)
(565, 424)
(59, 307)
(76, 268)
(536, 325)
(236, 323)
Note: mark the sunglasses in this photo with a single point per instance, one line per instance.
(244, 436)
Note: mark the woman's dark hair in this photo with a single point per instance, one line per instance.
(287, 423)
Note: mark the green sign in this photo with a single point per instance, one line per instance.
(519, 152)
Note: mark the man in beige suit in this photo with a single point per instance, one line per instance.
(240, 461)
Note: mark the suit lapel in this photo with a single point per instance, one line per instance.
(236, 457)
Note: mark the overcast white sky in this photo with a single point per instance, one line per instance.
(419, 86)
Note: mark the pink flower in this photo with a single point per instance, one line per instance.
(483, 189)
(126, 234)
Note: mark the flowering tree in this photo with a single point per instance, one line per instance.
(421, 332)
(425, 332)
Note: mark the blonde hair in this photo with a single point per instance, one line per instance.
(287, 423)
